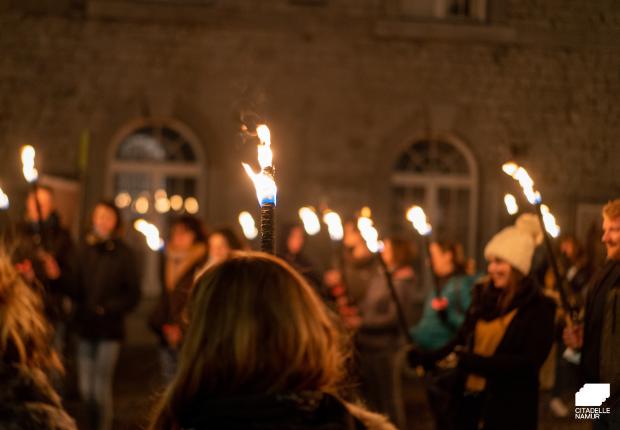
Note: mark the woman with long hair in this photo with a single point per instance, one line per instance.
(108, 289)
(27, 399)
(506, 337)
(261, 351)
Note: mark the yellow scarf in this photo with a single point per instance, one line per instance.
(488, 335)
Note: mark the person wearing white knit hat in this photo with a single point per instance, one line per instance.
(506, 337)
(515, 245)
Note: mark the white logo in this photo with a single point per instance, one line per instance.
(592, 395)
(588, 401)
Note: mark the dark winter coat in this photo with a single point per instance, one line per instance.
(58, 243)
(305, 411)
(28, 401)
(511, 400)
(601, 343)
(108, 288)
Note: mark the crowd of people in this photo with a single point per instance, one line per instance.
(253, 341)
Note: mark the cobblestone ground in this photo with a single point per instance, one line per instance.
(137, 383)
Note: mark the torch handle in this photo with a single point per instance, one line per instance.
(267, 220)
(40, 224)
(553, 261)
(399, 308)
(426, 245)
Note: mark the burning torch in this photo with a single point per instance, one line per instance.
(550, 229)
(370, 234)
(151, 234)
(246, 221)
(310, 220)
(266, 189)
(6, 219)
(511, 204)
(546, 219)
(418, 219)
(32, 177)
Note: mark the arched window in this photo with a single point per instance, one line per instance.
(156, 171)
(440, 175)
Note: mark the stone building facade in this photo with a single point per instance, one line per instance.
(347, 87)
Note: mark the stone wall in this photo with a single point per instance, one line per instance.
(345, 86)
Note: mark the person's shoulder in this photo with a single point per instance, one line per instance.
(370, 420)
(542, 301)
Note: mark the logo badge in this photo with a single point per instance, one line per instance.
(589, 399)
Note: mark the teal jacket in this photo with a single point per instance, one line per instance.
(432, 332)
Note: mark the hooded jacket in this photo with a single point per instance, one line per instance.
(28, 401)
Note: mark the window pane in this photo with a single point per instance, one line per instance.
(432, 157)
(155, 144)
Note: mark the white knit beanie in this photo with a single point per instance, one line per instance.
(515, 245)
(531, 224)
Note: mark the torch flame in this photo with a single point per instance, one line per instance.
(370, 234)
(311, 222)
(549, 220)
(30, 172)
(334, 225)
(4, 200)
(248, 225)
(511, 204)
(150, 232)
(520, 174)
(266, 189)
(417, 217)
(265, 156)
(510, 168)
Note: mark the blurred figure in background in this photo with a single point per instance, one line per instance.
(578, 271)
(437, 327)
(577, 264)
(378, 335)
(108, 289)
(45, 253)
(27, 399)
(222, 242)
(184, 255)
(261, 351)
(291, 243)
(506, 336)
